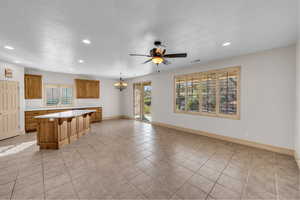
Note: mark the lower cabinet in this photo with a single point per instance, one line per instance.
(96, 116)
(31, 123)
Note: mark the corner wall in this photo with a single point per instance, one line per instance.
(297, 113)
(267, 98)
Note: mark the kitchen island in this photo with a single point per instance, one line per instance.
(58, 129)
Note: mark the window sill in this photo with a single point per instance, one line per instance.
(233, 117)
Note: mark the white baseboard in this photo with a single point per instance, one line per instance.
(115, 117)
(297, 158)
(268, 147)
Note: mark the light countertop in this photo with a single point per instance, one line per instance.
(67, 114)
(59, 108)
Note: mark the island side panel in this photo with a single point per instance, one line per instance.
(62, 132)
(48, 134)
(86, 121)
(72, 130)
(80, 126)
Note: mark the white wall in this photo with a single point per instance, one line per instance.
(297, 115)
(18, 75)
(109, 96)
(267, 98)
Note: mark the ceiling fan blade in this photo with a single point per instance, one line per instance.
(134, 54)
(147, 61)
(176, 55)
(166, 62)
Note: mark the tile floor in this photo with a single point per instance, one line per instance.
(125, 159)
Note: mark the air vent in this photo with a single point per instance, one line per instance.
(196, 61)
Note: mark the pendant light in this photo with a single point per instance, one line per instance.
(121, 84)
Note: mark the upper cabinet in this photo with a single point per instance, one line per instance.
(33, 86)
(87, 89)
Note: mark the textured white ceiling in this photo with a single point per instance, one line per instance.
(47, 34)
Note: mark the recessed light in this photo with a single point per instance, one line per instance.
(86, 41)
(9, 47)
(16, 61)
(81, 61)
(225, 44)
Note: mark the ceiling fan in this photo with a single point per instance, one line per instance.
(158, 55)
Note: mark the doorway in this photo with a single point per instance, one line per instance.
(142, 101)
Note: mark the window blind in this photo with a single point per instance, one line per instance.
(212, 93)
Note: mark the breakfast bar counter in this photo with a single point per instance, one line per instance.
(58, 129)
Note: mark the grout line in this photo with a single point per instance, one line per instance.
(43, 171)
(13, 189)
(195, 173)
(15, 182)
(247, 178)
(76, 193)
(221, 173)
(276, 179)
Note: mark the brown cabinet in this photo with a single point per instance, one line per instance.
(33, 86)
(87, 89)
(31, 123)
(96, 116)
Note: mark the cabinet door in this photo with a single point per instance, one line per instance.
(87, 88)
(33, 86)
(96, 89)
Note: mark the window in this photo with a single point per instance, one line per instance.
(56, 95)
(180, 94)
(211, 93)
(208, 92)
(193, 94)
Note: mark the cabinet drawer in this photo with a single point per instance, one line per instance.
(33, 113)
(31, 126)
(30, 119)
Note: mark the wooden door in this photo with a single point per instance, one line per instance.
(9, 109)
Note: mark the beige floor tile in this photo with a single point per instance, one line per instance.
(57, 181)
(220, 192)
(128, 159)
(29, 180)
(128, 191)
(256, 193)
(231, 183)
(65, 191)
(34, 191)
(216, 165)
(6, 190)
(202, 182)
(189, 191)
(209, 173)
(236, 172)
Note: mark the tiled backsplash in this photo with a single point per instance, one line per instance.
(37, 103)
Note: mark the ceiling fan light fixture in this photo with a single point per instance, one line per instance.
(157, 60)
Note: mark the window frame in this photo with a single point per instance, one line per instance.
(199, 75)
(60, 86)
